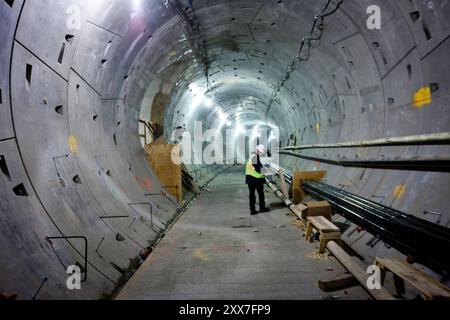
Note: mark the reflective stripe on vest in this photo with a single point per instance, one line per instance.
(251, 171)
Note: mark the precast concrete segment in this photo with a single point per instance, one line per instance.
(74, 167)
(220, 252)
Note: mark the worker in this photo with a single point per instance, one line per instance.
(256, 180)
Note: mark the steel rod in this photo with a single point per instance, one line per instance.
(423, 139)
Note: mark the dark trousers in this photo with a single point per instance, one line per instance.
(252, 187)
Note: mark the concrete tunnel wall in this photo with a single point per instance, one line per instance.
(71, 97)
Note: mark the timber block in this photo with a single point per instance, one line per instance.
(328, 231)
(317, 209)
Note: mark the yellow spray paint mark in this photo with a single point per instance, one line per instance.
(422, 97)
(199, 254)
(318, 127)
(399, 191)
(73, 144)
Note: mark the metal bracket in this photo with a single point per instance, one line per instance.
(49, 239)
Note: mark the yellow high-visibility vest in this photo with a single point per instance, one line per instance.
(251, 171)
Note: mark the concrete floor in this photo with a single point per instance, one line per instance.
(218, 251)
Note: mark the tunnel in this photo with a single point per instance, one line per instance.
(358, 89)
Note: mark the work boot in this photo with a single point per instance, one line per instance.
(254, 213)
(264, 210)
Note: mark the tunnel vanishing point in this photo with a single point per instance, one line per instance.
(358, 89)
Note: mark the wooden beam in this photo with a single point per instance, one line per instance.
(338, 284)
(357, 271)
(283, 186)
(429, 287)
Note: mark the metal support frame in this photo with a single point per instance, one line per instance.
(49, 239)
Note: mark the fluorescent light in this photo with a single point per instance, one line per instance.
(239, 129)
(136, 4)
(208, 102)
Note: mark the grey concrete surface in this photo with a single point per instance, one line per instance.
(218, 251)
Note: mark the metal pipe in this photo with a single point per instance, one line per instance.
(423, 139)
(427, 165)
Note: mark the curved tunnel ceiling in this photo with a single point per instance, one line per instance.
(74, 77)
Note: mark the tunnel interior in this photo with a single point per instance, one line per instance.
(77, 76)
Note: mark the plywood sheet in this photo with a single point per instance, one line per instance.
(159, 157)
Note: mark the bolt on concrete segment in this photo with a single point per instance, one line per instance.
(234, 263)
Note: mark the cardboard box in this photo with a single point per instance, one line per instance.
(318, 208)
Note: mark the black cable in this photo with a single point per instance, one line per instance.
(428, 248)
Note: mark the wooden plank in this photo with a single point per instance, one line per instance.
(338, 284)
(328, 223)
(159, 157)
(428, 286)
(358, 272)
(302, 211)
(298, 177)
(283, 186)
(323, 225)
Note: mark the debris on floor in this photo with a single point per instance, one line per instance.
(315, 255)
(298, 223)
(321, 256)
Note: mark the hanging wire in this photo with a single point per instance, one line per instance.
(196, 41)
(306, 44)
